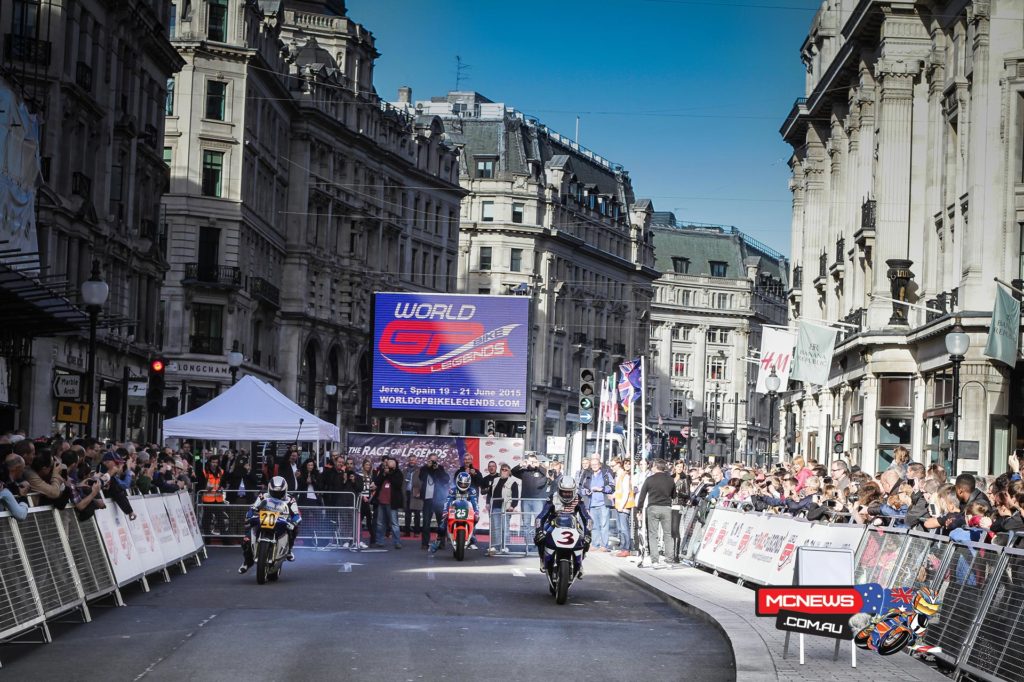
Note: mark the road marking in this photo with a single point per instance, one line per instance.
(518, 573)
(430, 575)
(176, 647)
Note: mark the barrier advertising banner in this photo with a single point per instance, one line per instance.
(145, 537)
(117, 538)
(450, 352)
(451, 451)
(179, 526)
(762, 547)
(190, 520)
(162, 527)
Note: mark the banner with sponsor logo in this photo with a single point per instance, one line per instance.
(451, 451)
(450, 352)
(812, 358)
(761, 548)
(776, 353)
(118, 541)
(1004, 331)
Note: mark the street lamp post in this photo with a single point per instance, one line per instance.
(235, 359)
(716, 424)
(957, 343)
(690, 404)
(94, 295)
(772, 383)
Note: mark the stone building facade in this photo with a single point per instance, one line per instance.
(907, 183)
(549, 219)
(296, 193)
(94, 73)
(717, 289)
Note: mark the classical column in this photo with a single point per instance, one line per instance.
(892, 189)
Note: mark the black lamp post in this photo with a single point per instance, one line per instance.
(772, 383)
(235, 359)
(94, 295)
(690, 404)
(957, 343)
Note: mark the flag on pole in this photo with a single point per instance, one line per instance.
(812, 358)
(607, 401)
(629, 384)
(776, 353)
(1004, 330)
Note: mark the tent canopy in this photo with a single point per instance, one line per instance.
(251, 410)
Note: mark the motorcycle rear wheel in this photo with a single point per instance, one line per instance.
(459, 546)
(262, 562)
(564, 576)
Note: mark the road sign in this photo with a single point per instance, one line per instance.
(72, 412)
(67, 386)
(586, 417)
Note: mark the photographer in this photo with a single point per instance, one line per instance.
(389, 486)
(434, 481)
(41, 479)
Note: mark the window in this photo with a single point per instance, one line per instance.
(723, 301)
(485, 168)
(894, 392)
(685, 297)
(167, 156)
(516, 260)
(169, 102)
(116, 189)
(713, 408)
(681, 333)
(680, 364)
(172, 20)
(716, 335)
(26, 18)
(716, 367)
(485, 258)
(213, 169)
(680, 265)
(216, 94)
(167, 161)
(679, 405)
(517, 213)
(218, 25)
(718, 268)
(942, 393)
(487, 211)
(207, 329)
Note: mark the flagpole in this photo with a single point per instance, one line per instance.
(643, 404)
(602, 408)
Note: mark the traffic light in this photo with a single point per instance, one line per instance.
(837, 442)
(490, 427)
(587, 400)
(155, 388)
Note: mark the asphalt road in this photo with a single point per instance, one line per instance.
(382, 616)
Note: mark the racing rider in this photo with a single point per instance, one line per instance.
(278, 490)
(566, 500)
(463, 490)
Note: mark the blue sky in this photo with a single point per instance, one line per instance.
(688, 95)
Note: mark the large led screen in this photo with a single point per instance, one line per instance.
(449, 352)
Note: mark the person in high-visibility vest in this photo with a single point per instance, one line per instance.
(624, 500)
(212, 493)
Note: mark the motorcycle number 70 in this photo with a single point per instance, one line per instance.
(566, 537)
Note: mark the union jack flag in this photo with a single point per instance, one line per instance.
(901, 595)
(629, 384)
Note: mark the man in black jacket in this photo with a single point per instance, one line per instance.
(657, 492)
(534, 487)
(390, 484)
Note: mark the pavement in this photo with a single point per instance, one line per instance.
(396, 615)
(757, 646)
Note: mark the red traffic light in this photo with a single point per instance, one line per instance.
(838, 437)
(157, 366)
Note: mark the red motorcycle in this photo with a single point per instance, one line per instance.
(461, 520)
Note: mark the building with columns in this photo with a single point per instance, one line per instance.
(93, 73)
(717, 289)
(549, 219)
(907, 184)
(295, 194)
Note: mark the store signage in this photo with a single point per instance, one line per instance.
(194, 368)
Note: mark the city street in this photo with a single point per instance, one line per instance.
(395, 615)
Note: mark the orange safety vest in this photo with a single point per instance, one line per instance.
(213, 494)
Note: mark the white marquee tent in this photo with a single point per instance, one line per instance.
(251, 410)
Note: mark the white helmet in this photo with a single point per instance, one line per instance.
(278, 487)
(566, 488)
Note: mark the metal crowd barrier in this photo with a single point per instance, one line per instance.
(981, 623)
(323, 526)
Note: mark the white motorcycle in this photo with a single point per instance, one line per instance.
(563, 554)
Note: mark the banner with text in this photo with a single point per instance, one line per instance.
(776, 353)
(1004, 331)
(812, 359)
(450, 352)
(451, 451)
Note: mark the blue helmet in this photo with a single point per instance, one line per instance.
(462, 481)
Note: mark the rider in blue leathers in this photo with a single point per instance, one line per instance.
(278, 489)
(565, 501)
(462, 490)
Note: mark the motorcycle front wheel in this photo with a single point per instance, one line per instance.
(564, 576)
(262, 562)
(460, 544)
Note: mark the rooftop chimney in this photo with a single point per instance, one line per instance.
(405, 95)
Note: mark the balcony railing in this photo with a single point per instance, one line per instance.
(867, 214)
(83, 76)
(858, 317)
(840, 250)
(81, 184)
(601, 344)
(220, 275)
(206, 345)
(579, 339)
(264, 290)
(28, 50)
(797, 277)
(943, 304)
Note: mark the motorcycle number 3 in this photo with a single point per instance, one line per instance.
(268, 519)
(565, 538)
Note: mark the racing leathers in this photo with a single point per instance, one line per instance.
(294, 519)
(551, 509)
